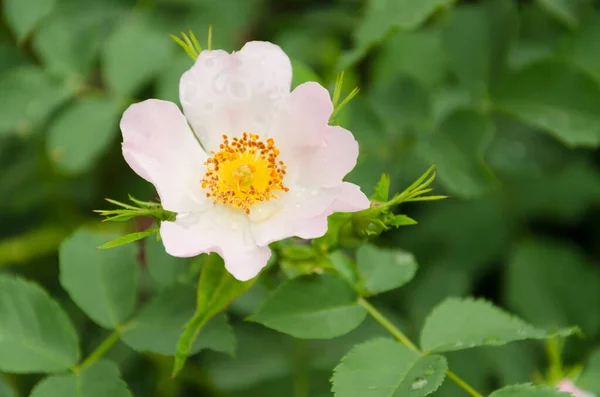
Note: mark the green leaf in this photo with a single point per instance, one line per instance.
(590, 377)
(35, 333)
(82, 133)
(302, 73)
(385, 368)
(382, 189)
(164, 269)
(584, 47)
(69, 41)
(28, 98)
(539, 288)
(24, 15)
(167, 82)
(427, 62)
(458, 145)
(400, 220)
(103, 283)
(528, 390)
(567, 108)
(216, 289)
(6, 390)
(566, 11)
(128, 238)
(312, 307)
(157, 326)
(382, 16)
(145, 46)
(100, 380)
(478, 38)
(384, 269)
(458, 324)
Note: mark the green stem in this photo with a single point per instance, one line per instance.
(101, 350)
(385, 323)
(396, 333)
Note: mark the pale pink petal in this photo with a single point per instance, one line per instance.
(235, 93)
(567, 385)
(160, 147)
(304, 212)
(220, 230)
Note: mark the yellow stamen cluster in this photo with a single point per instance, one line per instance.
(244, 172)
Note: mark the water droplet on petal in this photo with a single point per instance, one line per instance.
(220, 82)
(238, 89)
(274, 94)
(418, 383)
(298, 206)
(209, 62)
(208, 107)
(314, 192)
(188, 93)
(263, 61)
(261, 84)
(234, 226)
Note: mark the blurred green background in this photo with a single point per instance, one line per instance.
(504, 95)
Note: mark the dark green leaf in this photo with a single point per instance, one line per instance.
(82, 133)
(590, 377)
(24, 15)
(35, 333)
(313, 307)
(28, 98)
(147, 48)
(100, 380)
(103, 283)
(458, 324)
(164, 269)
(567, 108)
(385, 368)
(157, 327)
(384, 269)
(216, 289)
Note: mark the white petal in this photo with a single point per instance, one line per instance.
(305, 210)
(219, 230)
(160, 147)
(234, 93)
(315, 153)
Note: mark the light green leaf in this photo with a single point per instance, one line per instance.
(528, 390)
(145, 46)
(382, 189)
(458, 324)
(385, 368)
(590, 377)
(157, 326)
(68, 42)
(478, 38)
(100, 380)
(82, 133)
(28, 98)
(458, 146)
(128, 238)
(383, 15)
(313, 307)
(567, 108)
(216, 289)
(23, 15)
(539, 287)
(103, 283)
(400, 220)
(164, 269)
(302, 73)
(384, 269)
(35, 333)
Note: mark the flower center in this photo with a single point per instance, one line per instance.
(244, 172)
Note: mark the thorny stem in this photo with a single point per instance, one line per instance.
(396, 333)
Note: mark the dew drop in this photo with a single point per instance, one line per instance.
(188, 94)
(260, 119)
(298, 205)
(209, 62)
(220, 82)
(261, 84)
(372, 387)
(429, 371)
(314, 192)
(418, 383)
(234, 226)
(238, 89)
(521, 332)
(274, 94)
(208, 107)
(459, 343)
(263, 61)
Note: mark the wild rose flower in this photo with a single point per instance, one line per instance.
(270, 166)
(568, 386)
